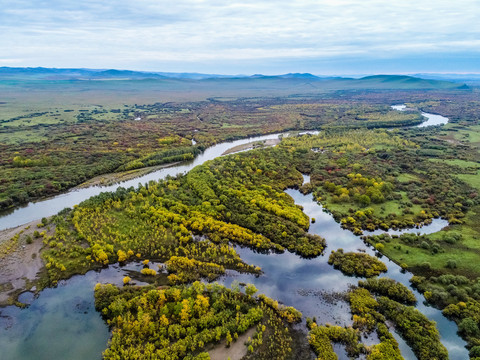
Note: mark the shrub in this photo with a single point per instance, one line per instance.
(451, 264)
(389, 287)
(468, 327)
(358, 264)
(475, 351)
(149, 272)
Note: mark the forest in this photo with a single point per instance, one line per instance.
(50, 151)
(369, 167)
(179, 322)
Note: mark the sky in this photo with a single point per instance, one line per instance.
(323, 37)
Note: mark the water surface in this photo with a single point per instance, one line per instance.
(432, 119)
(63, 324)
(312, 286)
(51, 206)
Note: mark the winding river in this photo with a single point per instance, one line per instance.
(51, 206)
(62, 322)
(432, 119)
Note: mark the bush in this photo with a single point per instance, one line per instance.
(425, 245)
(172, 323)
(358, 264)
(451, 264)
(468, 327)
(475, 351)
(389, 287)
(426, 265)
(149, 272)
(418, 331)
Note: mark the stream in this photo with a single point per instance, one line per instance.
(62, 322)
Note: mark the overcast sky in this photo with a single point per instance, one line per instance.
(233, 37)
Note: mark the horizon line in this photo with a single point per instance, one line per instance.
(360, 74)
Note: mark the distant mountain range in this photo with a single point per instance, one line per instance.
(421, 81)
(469, 79)
(41, 73)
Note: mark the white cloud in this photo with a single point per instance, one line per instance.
(9, 62)
(126, 33)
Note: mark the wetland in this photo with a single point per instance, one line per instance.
(241, 232)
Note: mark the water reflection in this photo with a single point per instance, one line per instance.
(315, 288)
(62, 322)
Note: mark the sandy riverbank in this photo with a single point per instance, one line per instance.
(252, 145)
(235, 351)
(20, 261)
(115, 178)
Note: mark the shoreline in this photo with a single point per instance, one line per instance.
(252, 145)
(20, 263)
(109, 179)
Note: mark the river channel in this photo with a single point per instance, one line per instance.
(432, 119)
(61, 323)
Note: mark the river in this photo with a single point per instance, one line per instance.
(308, 284)
(51, 206)
(67, 315)
(432, 119)
(62, 322)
